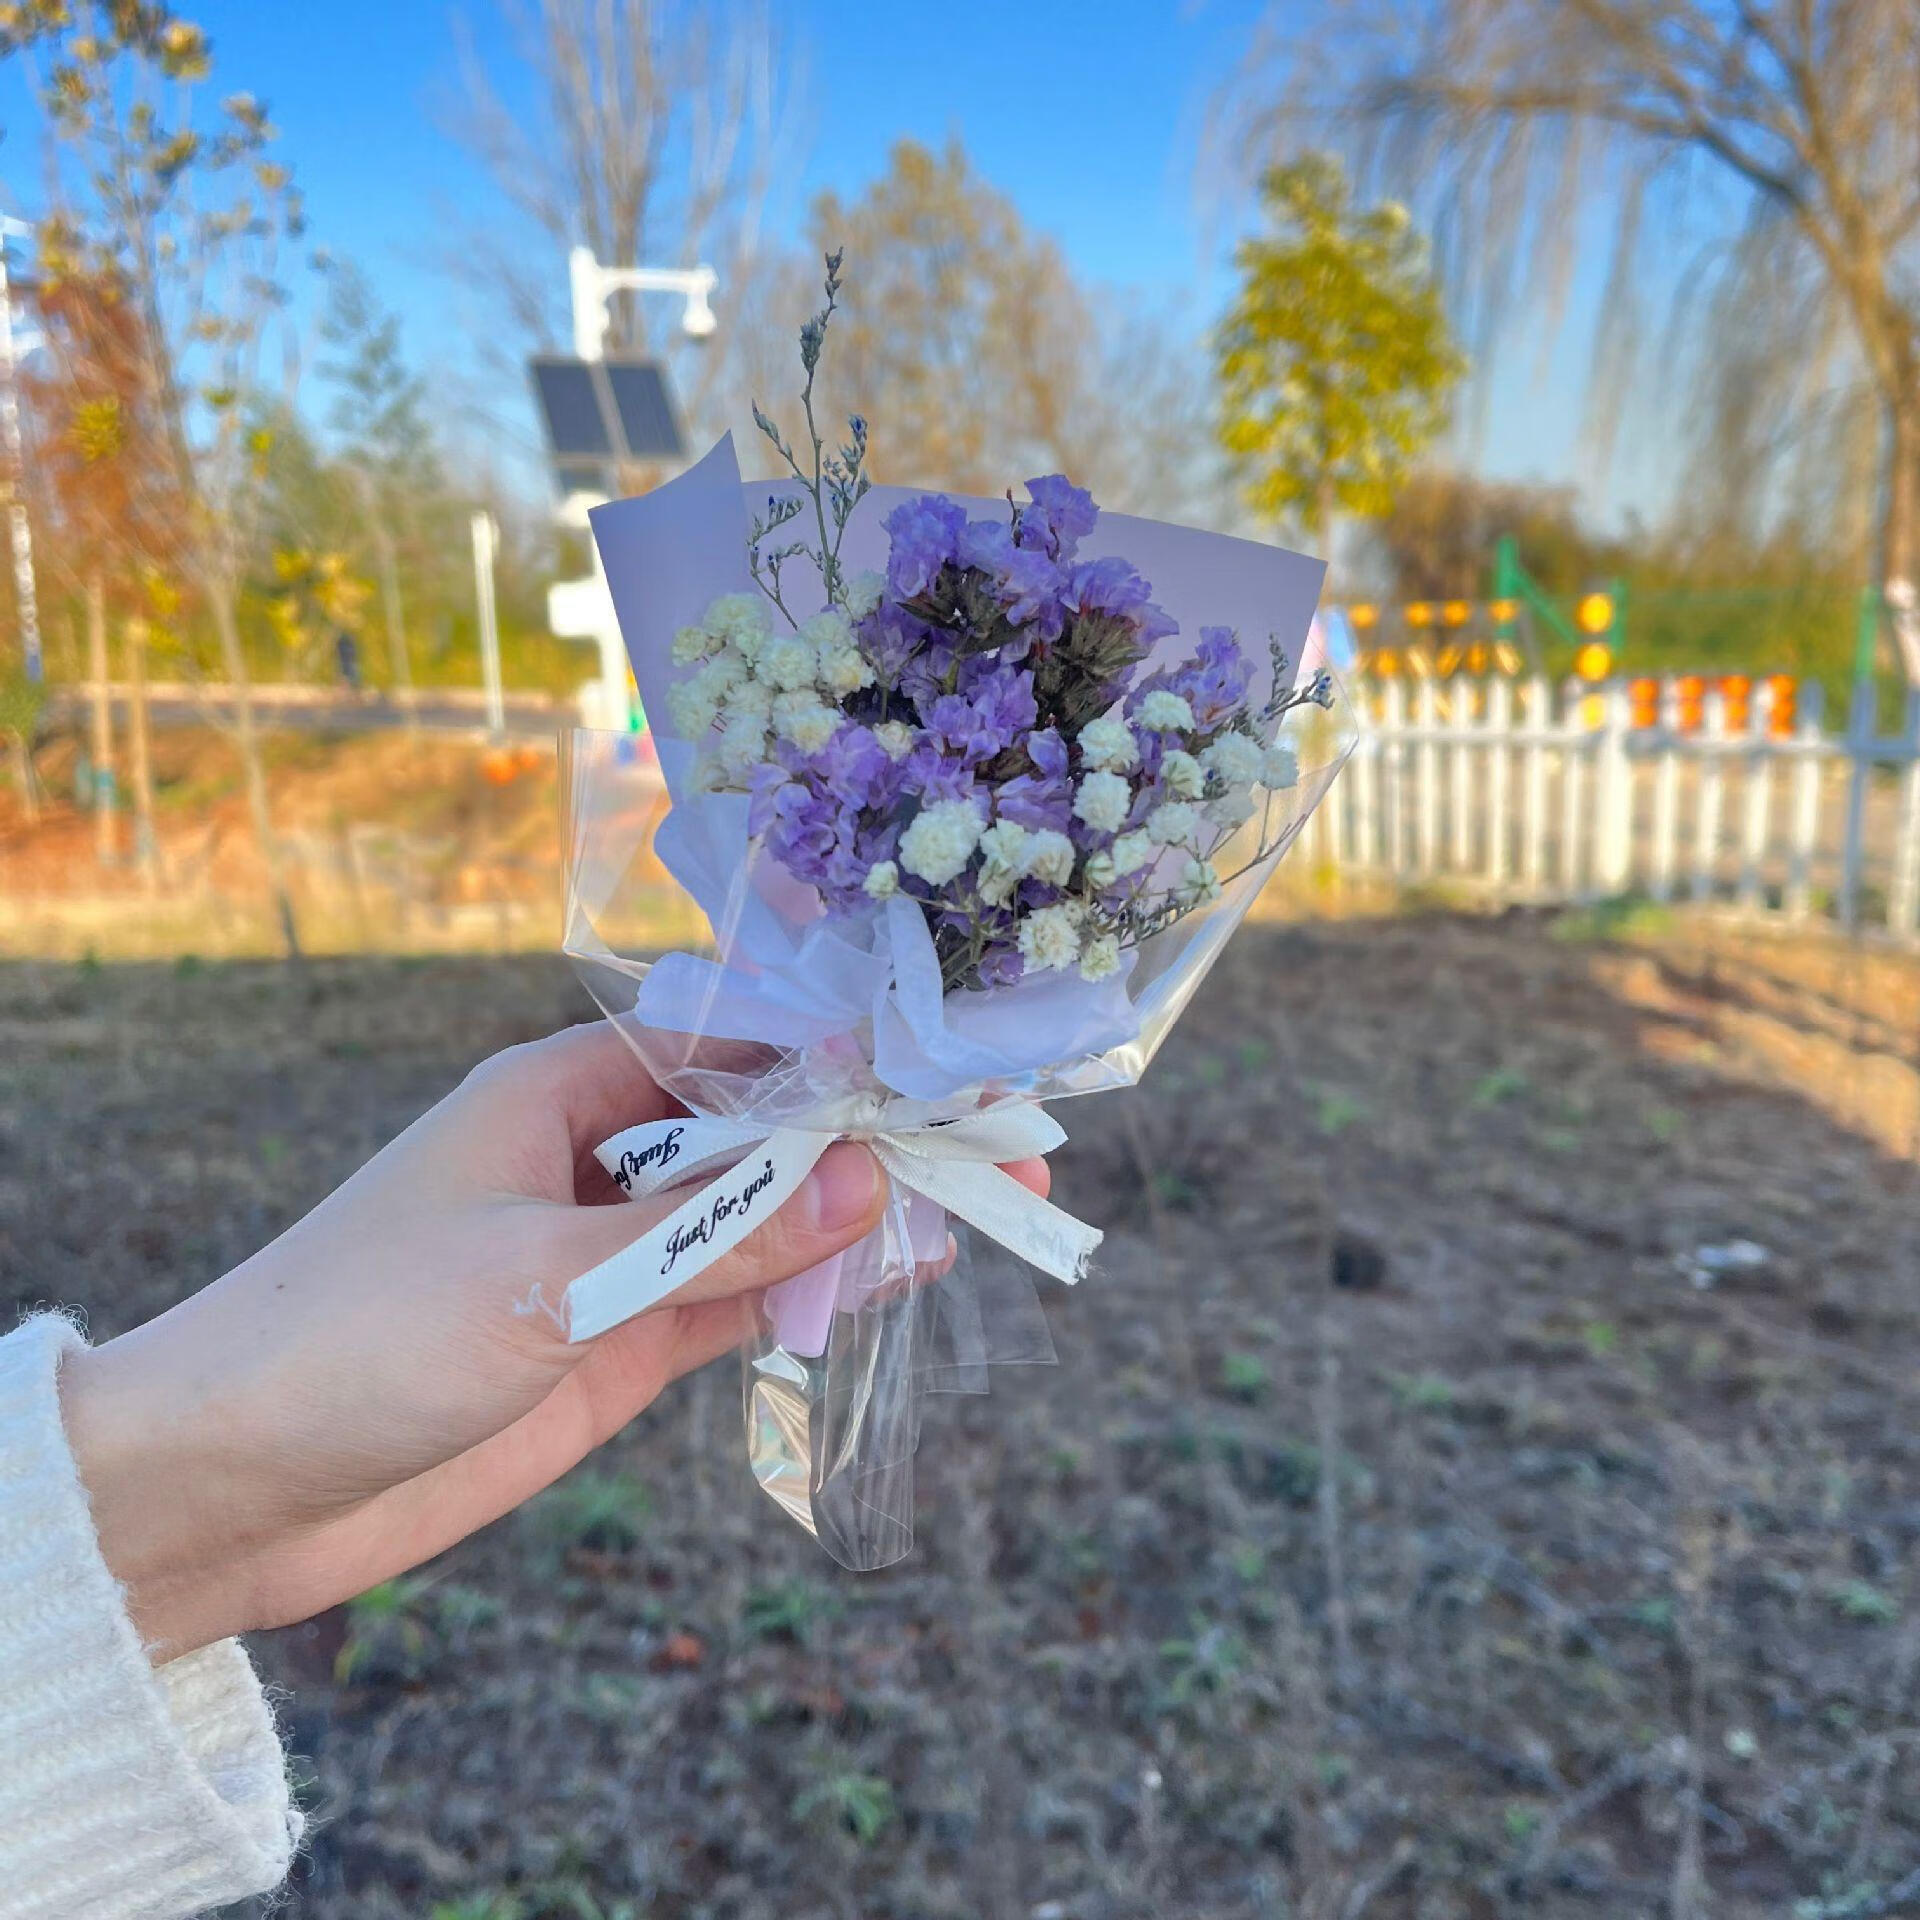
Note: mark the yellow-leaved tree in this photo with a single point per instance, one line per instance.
(1335, 362)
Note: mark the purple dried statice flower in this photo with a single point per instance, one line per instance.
(1001, 965)
(1044, 797)
(1213, 682)
(892, 638)
(926, 534)
(1026, 582)
(854, 766)
(930, 775)
(1061, 516)
(997, 711)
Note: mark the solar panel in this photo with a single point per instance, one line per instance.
(646, 410)
(601, 414)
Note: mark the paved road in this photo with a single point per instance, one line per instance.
(331, 710)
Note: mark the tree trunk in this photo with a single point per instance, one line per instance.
(247, 739)
(26, 779)
(1897, 530)
(395, 621)
(393, 614)
(146, 844)
(102, 711)
(1321, 532)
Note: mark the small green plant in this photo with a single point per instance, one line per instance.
(461, 1609)
(1207, 1662)
(608, 1699)
(600, 1512)
(480, 1906)
(786, 1610)
(387, 1632)
(1665, 1124)
(1424, 1392)
(1334, 1110)
(1521, 1821)
(1243, 1376)
(1601, 1337)
(859, 1804)
(1655, 1613)
(1861, 1601)
(571, 1899)
(1248, 1563)
(1503, 1083)
(1174, 1190)
(1625, 916)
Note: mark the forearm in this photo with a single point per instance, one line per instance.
(127, 1789)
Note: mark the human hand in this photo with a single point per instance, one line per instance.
(370, 1388)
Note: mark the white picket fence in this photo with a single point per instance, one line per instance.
(1543, 794)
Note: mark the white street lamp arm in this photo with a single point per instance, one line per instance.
(592, 283)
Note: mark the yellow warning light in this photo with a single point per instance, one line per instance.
(1594, 661)
(1386, 663)
(1420, 613)
(1504, 610)
(1364, 615)
(1449, 662)
(1456, 613)
(1507, 658)
(1420, 663)
(1594, 614)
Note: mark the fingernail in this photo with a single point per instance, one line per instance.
(840, 1190)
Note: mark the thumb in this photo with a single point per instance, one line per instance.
(839, 1203)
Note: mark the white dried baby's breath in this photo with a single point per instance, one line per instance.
(1182, 774)
(1049, 857)
(1162, 711)
(940, 841)
(1049, 940)
(1102, 800)
(1108, 743)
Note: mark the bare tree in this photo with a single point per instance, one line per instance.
(1758, 162)
(981, 361)
(660, 128)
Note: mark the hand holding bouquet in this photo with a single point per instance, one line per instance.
(969, 820)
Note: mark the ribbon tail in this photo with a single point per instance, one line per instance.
(692, 1237)
(1040, 1233)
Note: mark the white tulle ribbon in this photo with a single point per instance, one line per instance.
(955, 1163)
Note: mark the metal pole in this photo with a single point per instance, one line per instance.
(1862, 725)
(16, 474)
(485, 536)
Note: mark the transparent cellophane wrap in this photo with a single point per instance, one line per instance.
(778, 1023)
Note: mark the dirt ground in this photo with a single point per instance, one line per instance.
(1424, 1518)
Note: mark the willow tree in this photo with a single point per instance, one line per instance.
(1335, 360)
(1758, 165)
(180, 214)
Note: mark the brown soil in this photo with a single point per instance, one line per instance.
(1411, 1528)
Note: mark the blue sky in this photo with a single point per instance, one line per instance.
(1088, 114)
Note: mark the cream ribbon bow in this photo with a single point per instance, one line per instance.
(952, 1162)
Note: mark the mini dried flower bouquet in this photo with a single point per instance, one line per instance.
(969, 817)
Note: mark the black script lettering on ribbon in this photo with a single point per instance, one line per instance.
(665, 1151)
(723, 1206)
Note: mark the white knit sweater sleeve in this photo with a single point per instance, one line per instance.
(127, 1792)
